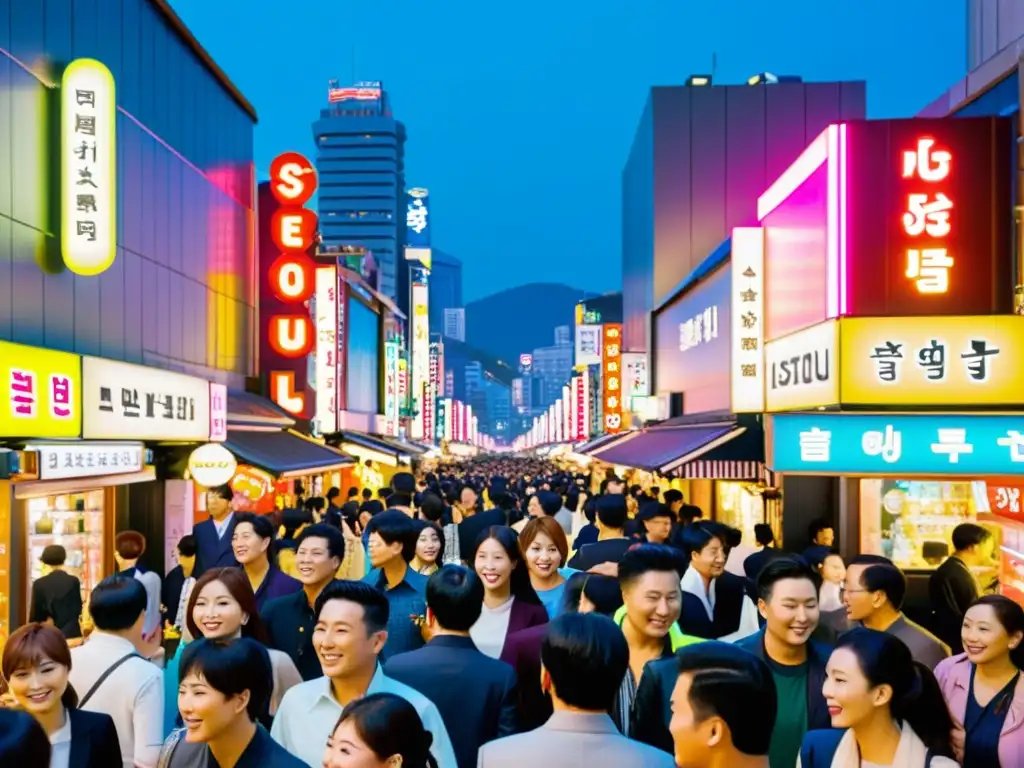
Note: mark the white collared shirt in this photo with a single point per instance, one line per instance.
(693, 583)
(222, 526)
(309, 712)
(60, 744)
(132, 695)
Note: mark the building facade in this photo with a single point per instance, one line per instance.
(455, 323)
(360, 162)
(700, 158)
(445, 288)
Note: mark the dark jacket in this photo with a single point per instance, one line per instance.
(951, 590)
(213, 551)
(522, 652)
(480, 708)
(753, 563)
(523, 616)
(276, 583)
(58, 596)
(93, 740)
(471, 528)
(607, 551)
(262, 752)
(652, 707)
(170, 592)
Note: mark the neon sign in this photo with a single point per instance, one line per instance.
(292, 276)
(927, 215)
(612, 376)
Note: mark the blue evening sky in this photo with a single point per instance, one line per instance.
(520, 115)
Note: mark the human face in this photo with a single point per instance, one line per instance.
(247, 544)
(825, 537)
(851, 699)
(206, 712)
(833, 570)
(984, 637)
(980, 554)
(217, 613)
(428, 545)
(658, 529)
(860, 603)
(543, 557)
(468, 498)
(187, 563)
(791, 611)
(314, 563)
(38, 688)
(342, 641)
(693, 740)
(534, 508)
(345, 749)
(217, 506)
(615, 486)
(382, 553)
(710, 561)
(493, 566)
(653, 602)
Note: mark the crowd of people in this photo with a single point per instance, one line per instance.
(497, 613)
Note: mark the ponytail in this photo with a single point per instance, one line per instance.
(924, 709)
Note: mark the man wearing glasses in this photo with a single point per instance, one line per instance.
(213, 536)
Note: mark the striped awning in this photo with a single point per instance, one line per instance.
(721, 470)
(600, 442)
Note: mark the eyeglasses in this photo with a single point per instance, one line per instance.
(844, 591)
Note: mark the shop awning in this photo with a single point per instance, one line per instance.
(661, 449)
(284, 453)
(377, 448)
(410, 448)
(604, 441)
(248, 410)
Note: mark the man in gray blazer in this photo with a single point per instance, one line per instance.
(584, 659)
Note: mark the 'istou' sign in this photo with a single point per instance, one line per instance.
(88, 167)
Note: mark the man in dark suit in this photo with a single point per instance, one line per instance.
(482, 706)
(952, 588)
(57, 596)
(213, 536)
(612, 543)
(474, 524)
(174, 581)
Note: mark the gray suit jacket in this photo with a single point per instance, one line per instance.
(572, 739)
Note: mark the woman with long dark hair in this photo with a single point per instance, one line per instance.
(886, 709)
(510, 601)
(984, 688)
(381, 730)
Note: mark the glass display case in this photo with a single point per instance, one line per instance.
(76, 522)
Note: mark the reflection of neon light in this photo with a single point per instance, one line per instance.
(832, 226)
(1012, 552)
(809, 161)
(843, 194)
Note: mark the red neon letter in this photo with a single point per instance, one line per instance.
(282, 392)
(293, 229)
(292, 179)
(292, 277)
(291, 336)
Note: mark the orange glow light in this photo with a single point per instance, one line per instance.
(291, 336)
(292, 179)
(293, 229)
(293, 277)
(612, 366)
(282, 392)
(928, 216)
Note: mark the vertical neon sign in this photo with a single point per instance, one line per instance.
(611, 374)
(927, 216)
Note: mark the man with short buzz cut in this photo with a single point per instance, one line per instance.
(348, 636)
(723, 708)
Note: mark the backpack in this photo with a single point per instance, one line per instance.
(820, 747)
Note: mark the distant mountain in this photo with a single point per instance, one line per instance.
(518, 320)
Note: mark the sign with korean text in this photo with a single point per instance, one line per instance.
(88, 167)
(72, 460)
(326, 368)
(123, 401)
(611, 376)
(747, 309)
(417, 218)
(43, 392)
(802, 369)
(897, 444)
(420, 350)
(218, 413)
(1006, 498)
(932, 361)
(636, 378)
(441, 427)
(391, 387)
(588, 346)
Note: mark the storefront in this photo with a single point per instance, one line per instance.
(378, 458)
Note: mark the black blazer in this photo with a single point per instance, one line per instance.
(94, 741)
(211, 551)
(58, 596)
(481, 704)
(951, 590)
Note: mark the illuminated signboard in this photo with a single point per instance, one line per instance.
(44, 392)
(420, 347)
(391, 350)
(417, 218)
(802, 369)
(882, 218)
(292, 275)
(525, 361)
(747, 316)
(326, 366)
(88, 167)
(588, 345)
(611, 375)
(218, 412)
(434, 384)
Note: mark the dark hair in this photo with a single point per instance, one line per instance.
(390, 725)
(885, 578)
(697, 535)
(116, 603)
(187, 545)
(611, 511)
(334, 492)
(130, 545)
(334, 538)
(550, 502)
(394, 526)
(690, 512)
(519, 581)
(586, 656)
(550, 528)
(376, 610)
(261, 525)
(643, 558)
(817, 526)
(779, 569)
(292, 519)
(1011, 616)
(225, 492)
(455, 595)
(29, 645)
(367, 494)
(353, 491)
(730, 683)
(671, 496)
(238, 586)
(967, 535)
(431, 507)
(603, 591)
(231, 667)
(867, 559)
(884, 659)
(763, 534)
(22, 740)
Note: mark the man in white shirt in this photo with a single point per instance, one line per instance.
(349, 634)
(111, 677)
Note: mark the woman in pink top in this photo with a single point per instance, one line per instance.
(984, 688)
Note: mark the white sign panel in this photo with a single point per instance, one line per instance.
(588, 345)
(802, 369)
(391, 388)
(212, 465)
(326, 349)
(746, 372)
(420, 353)
(65, 462)
(124, 401)
(218, 413)
(636, 380)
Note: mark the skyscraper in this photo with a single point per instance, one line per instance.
(455, 323)
(445, 287)
(361, 164)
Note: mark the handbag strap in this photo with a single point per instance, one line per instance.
(102, 678)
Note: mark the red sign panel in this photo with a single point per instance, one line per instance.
(1006, 499)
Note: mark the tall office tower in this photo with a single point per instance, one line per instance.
(445, 287)
(455, 323)
(553, 367)
(701, 156)
(360, 160)
(563, 336)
